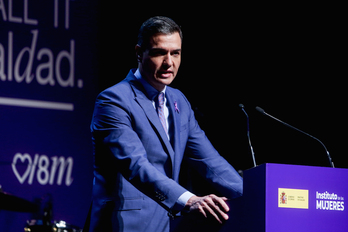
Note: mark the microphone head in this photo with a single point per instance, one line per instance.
(260, 110)
(241, 105)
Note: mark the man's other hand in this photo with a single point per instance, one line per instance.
(209, 205)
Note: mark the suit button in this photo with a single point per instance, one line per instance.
(170, 214)
(160, 196)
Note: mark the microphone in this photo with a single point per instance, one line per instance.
(248, 134)
(259, 109)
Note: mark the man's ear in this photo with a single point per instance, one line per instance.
(138, 52)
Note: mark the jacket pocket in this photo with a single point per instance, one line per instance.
(131, 204)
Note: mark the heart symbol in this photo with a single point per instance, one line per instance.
(24, 157)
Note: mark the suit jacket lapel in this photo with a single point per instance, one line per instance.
(176, 120)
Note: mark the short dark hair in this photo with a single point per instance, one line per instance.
(156, 25)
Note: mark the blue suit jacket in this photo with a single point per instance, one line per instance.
(136, 168)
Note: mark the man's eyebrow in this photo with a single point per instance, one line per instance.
(157, 49)
(163, 49)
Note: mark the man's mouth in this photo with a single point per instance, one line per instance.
(165, 74)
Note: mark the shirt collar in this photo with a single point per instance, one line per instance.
(151, 91)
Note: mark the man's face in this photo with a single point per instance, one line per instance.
(160, 62)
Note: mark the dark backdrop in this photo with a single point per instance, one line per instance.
(286, 58)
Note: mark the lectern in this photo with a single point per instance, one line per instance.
(285, 198)
(280, 197)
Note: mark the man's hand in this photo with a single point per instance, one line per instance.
(209, 205)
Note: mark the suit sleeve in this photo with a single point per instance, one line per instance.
(202, 156)
(118, 146)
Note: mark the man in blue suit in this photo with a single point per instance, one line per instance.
(142, 130)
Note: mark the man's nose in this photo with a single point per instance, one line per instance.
(168, 61)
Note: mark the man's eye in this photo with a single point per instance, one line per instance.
(176, 53)
(158, 53)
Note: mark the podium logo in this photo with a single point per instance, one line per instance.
(293, 198)
(329, 201)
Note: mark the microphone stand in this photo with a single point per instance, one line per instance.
(248, 134)
(292, 127)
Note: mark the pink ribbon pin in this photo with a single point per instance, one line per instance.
(176, 107)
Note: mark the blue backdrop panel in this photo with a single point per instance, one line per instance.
(47, 90)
